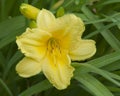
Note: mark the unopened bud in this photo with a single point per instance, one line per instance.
(60, 12)
(32, 24)
(29, 11)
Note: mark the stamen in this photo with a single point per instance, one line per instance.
(53, 45)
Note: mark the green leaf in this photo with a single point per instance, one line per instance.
(2, 60)
(108, 36)
(102, 61)
(110, 2)
(113, 66)
(4, 86)
(105, 60)
(42, 86)
(105, 74)
(15, 58)
(105, 28)
(92, 84)
(114, 89)
(11, 37)
(8, 27)
(112, 75)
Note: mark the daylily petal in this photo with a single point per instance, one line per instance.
(58, 70)
(82, 50)
(28, 67)
(45, 20)
(68, 29)
(33, 43)
(72, 24)
(63, 37)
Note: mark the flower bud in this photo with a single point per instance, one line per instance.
(32, 24)
(29, 11)
(60, 12)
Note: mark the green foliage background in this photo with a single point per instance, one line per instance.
(97, 76)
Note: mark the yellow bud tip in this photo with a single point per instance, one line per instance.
(29, 11)
(23, 8)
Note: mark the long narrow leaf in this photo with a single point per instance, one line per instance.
(4, 86)
(101, 72)
(108, 36)
(44, 85)
(16, 57)
(11, 37)
(8, 26)
(97, 88)
(106, 60)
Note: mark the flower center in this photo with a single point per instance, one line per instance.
(53, 45)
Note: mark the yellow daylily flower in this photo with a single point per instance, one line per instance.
(51, 46)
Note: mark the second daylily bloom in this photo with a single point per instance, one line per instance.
(51, 46)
